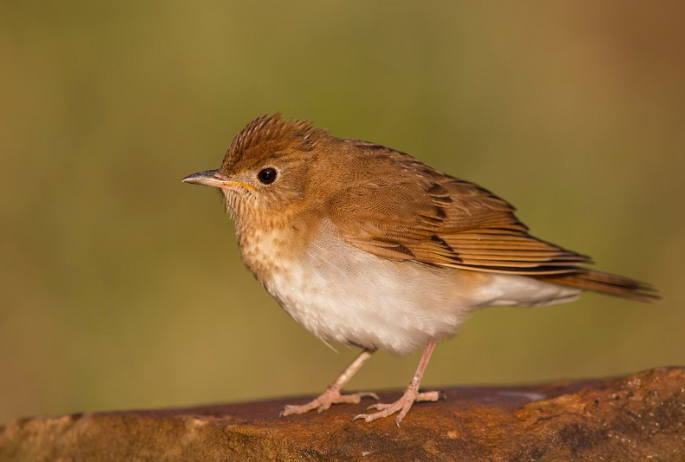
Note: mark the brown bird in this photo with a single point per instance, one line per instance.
(368, 246)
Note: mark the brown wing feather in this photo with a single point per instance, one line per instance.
(430, 217)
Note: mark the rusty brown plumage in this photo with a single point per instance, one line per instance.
(408, 211)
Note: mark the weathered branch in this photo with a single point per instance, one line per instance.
(629, 418)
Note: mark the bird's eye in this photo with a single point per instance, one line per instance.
(267, 175)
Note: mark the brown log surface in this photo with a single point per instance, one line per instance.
(638, 417)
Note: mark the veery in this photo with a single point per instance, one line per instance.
(368, 246)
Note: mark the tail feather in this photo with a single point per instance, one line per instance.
(606, 283)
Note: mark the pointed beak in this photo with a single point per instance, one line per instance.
(214, 179)
(207, 178)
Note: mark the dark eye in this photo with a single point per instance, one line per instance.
(267, 175)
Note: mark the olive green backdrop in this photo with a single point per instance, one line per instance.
(120, 287)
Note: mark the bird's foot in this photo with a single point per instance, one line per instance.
(325, 400)
(402, 405)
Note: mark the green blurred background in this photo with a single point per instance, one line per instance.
(120, 287)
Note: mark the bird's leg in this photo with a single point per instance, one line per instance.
(411, 395)
(332, 394)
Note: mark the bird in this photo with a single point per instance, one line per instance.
(368, 246)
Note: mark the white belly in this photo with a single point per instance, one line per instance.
(341, 293)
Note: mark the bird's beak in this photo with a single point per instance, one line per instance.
(214, 179)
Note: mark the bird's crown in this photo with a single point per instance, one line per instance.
(270, 134)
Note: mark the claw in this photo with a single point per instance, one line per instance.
(402, 405)
(325, 401)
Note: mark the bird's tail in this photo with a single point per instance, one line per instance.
(606, 283)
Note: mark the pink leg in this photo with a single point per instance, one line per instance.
(411, 395)
(332, 394)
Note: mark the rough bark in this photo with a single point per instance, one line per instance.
(638, 417)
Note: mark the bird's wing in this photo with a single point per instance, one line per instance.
(422, 215)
